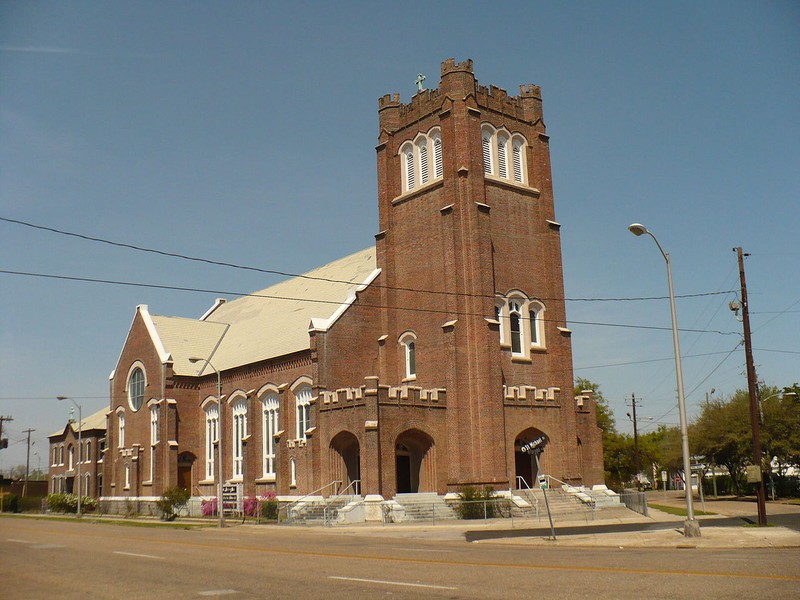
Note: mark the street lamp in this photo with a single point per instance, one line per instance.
(691, 528)
(80, 448)
(220, 511)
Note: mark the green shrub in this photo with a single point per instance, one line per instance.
(171, 501)
(10, 502)
(476, 502)
(68, 503)
(269, 509)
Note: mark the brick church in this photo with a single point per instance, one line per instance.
(422, 364)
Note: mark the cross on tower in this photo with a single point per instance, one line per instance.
(420, 78)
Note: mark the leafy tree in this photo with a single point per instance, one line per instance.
(722, 433)
(781, 426)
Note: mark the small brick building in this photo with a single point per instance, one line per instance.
(74, 460)
(424, 363)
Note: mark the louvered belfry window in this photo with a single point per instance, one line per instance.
(423, 163)
(502, 165)
(517, 158)
(487, 153)
(437, 157)
(410, 170)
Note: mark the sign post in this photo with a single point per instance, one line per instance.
(535, 448)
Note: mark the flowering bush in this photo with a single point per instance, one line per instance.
(68, 503)
(208, 508)
(269, 506)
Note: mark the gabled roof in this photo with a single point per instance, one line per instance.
(94, 422)
(266, 324)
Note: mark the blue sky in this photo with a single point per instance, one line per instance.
(245, 132)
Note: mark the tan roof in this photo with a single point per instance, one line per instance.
(94, 421)
(269, 323)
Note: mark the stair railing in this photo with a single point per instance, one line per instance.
(287, 510)
(520, 482)
(354, 487)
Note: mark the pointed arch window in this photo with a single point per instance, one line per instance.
(487, 152)
(437, 156)
(212, 434)
(303, 403)
(515, 322)
(516, 153)
(270, 428)
(502, 157)
(410, 183)
(239, 412)
(408, 341)
(423, 162)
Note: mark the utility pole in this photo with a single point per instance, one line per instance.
(27, 463)
(635, 442)
(753, 392)
(3, 444)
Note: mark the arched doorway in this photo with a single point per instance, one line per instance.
(415, 463)
(185, 463)
(525, 463)
(346, 460)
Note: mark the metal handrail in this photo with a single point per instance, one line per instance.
(520, 478)
(290, 506)
(353, 484)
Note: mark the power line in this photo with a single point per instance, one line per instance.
(334, 302)
(316, 278)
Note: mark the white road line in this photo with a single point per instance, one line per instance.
(217, 593)
(139, 555)
(19, 541)
(419, 585)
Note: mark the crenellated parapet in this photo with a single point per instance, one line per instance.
(458, 83)
(528, 395)
(403, 395)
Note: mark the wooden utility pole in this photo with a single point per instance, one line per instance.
(752, 390)
(635, 442)
(27, 463)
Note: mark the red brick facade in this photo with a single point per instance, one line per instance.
(454, 246)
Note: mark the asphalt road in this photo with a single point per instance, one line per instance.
(57, 559)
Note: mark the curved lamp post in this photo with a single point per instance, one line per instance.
(80, 447)
(691, 527)
(220, 511)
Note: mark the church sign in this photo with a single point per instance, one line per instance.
(535, 446)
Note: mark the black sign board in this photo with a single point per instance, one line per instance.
(535, 446)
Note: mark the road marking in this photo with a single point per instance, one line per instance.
(217, 593)
(431, 550)
(20, 541)
(46, 546)
(138, 555)
(381, 581)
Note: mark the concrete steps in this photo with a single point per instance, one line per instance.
(423, 506)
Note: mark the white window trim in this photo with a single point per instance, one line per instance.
(421, 161)
(140, 366)
(238, 435)
(503, 147)
(270, 425)
(525, 306)
(302, 394)
(211, 414)
(406, 340)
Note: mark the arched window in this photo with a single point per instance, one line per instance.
(87, 488)
(515, 321)
(535, 310)
(88, 456)
(55, 457)
(502, 156)
(127, 477)
(421, 160)
(121, 429)
(409, 343)
(212, 433)
(239, 410)
(136, 389)
(422, 146)
(270, 428)
(410, 180)
(438, 168)
(70, 457)
(293, 472)
(486, 142)
(516, 153)
(303, 402)
(61, 454)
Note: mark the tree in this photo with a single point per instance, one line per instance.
(781, 427)
(617, 447)
(722, 433)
